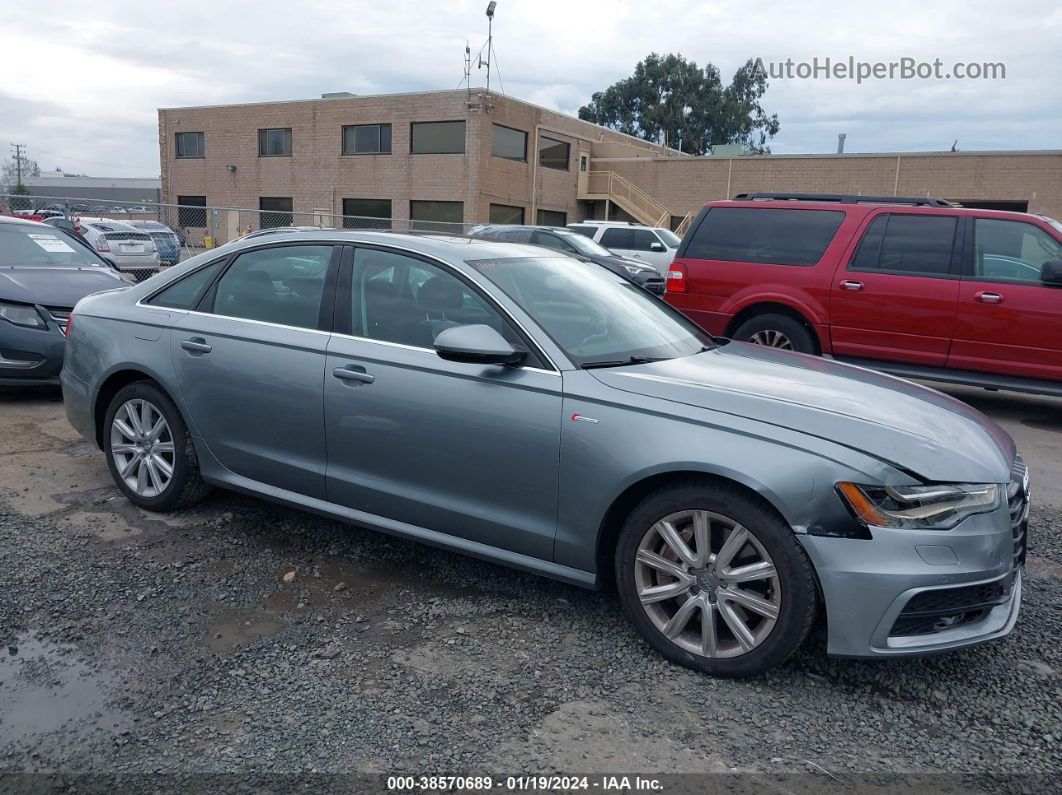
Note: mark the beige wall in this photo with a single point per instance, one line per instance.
(317, 165)
(685, 184)
(318, 176)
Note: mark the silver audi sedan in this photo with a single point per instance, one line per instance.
(546, 414)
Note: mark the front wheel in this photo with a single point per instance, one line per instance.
(149, 449)
(715, 581)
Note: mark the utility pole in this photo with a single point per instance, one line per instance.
(18, 163)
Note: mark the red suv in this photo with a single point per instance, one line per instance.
(918, 287)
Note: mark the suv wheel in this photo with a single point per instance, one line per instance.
(149, 449)
(776, 331)
(714, 581)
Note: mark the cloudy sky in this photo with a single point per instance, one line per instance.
(81, 83)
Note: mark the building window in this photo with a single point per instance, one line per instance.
(437, 137)
(274, 143)
(366, 213)
(508, 143)
(553, 153)
(552, 217)
(190, 144)
(432, 215)
(276, 211)
(506, 214)
(367, 139)
(191, 211)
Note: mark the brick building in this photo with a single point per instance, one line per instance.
(456, 156)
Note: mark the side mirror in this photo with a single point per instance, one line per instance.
(476, 344)
(1051, 272)
(657, 247)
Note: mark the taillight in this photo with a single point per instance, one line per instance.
(102, 245)
(676, 278)
(69, 323)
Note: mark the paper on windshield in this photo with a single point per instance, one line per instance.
(52, 243)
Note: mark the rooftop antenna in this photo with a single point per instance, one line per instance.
(490, 44)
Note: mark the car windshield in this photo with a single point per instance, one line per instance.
(597, 317)
(42, 246)
(585, 245)
(669, 237)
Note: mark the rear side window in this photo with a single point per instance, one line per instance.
(617, 238)
(771, 236)
(282, 285)
(185, 293)
(919, 245)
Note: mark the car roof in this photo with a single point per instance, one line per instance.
(14, 219)
(866, 207)
(535, 227)
(444, 246)
(108, 222)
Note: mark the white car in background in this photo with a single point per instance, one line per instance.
(132, 250)
(652, 245)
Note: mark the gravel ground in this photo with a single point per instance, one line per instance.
(241, 636)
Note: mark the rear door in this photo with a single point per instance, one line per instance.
(250, 364)
(896, 298)
(1009, 321)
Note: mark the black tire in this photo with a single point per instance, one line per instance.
(798, 602)
(186, 486)
(793, 330)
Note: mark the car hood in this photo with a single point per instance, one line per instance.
(911, 427)
(617, 262)
(56, 285)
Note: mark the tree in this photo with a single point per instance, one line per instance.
(668, 94)
(9, 173)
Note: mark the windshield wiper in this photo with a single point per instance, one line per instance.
(622, 362)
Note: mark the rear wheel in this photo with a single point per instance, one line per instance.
(149, 449)
(715, 581)
(776, 331)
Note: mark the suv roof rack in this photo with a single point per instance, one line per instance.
(843, 198)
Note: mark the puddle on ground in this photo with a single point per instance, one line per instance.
(236, 628)
(44, 686)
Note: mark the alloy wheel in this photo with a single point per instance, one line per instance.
(772, 339)
(142, 447)
(707, 583)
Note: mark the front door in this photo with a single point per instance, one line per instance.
(895, 300)
(1009, 321)
(462, 449)
(251, 363)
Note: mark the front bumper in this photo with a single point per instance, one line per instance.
(31, 356)
(907, 592)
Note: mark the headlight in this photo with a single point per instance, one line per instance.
(22, 315)
(938, 507)
(634, 269)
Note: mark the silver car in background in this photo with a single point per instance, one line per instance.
(132, 250)
(549, 415)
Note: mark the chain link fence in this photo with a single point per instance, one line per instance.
(141, 238)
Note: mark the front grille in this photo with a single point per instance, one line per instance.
(1018, 504)
(946, 608)
(61, 315)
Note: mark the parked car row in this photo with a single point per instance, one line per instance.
(520, 396)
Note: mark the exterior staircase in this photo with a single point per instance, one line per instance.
(600, 185)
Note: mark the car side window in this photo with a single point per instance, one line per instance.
(915, 245)
(1012, 251)
(551, 241)
(515, 235)
(186, 292)
(642, 240)
(282, 284)
(401, 299)
(617, 238)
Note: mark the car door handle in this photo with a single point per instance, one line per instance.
(848, 284)
(196, 345)
(353, 374)
(988, 298)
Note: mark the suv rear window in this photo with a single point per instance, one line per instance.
(772, 236)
